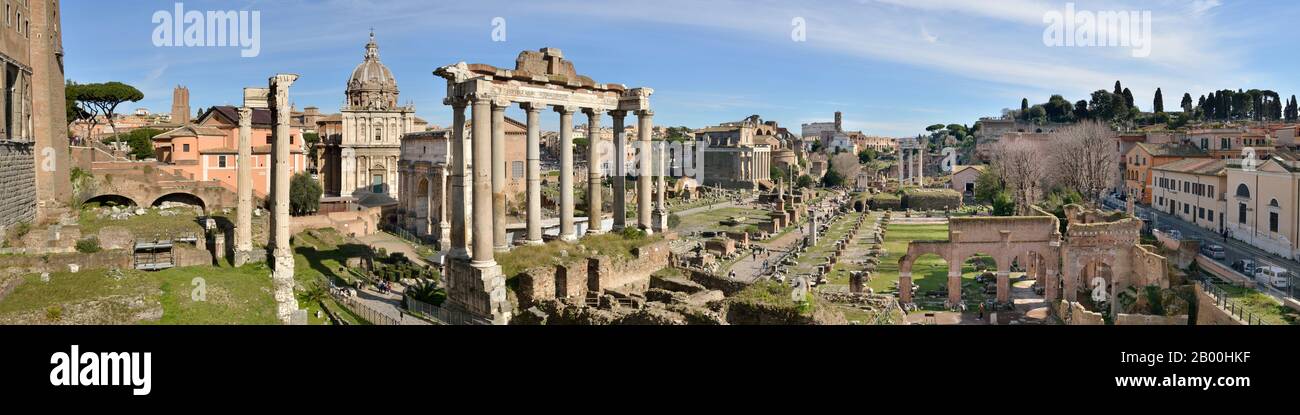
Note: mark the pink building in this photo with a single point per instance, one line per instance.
(208, 149)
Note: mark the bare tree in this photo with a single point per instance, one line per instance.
(1021, 164)
(1084, 158)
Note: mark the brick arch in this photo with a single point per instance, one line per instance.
(110, 196)
(203, 203)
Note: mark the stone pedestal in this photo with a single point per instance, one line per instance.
(282, 284)
(477, 291)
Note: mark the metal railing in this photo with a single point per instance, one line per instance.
(1227, 304)
(365, 312)
(443, 315)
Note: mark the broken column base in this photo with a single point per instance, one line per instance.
(479, 292)
(242, 258)
(286, 303)
(660, 220)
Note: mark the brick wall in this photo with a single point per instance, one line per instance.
(18, 179)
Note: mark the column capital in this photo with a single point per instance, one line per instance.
(480, 97)
(282, 80)
(459, 102)
(618, 113)
(532, 107)
(645, 113)
(594, 112)
(566, 109)
(500, 104)
(245, 112)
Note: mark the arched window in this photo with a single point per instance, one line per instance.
(1243, 191)
(1273, 203)
(379, 134)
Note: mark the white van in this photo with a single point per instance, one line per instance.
(1271, 275)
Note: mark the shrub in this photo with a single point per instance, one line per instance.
(886, 201)
(931, 199)
(88, 246)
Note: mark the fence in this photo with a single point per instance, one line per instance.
(399, 232)
(443, 315)
(366, 313)
(1221, 299)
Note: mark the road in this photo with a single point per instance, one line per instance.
(1234, 249)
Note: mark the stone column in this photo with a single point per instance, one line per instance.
(244, 186)
(594, 176)
(954, 288)
(1004, 287)
(482, 246)
(645, 121)
(459, 217)
(500, 244)
(567, 232)
(619, 181)
(904, 287)
(661, 211)
(444, 222)
(430, 208)
(920, 166)
(902, 163)
(534, 174)
(282, 269)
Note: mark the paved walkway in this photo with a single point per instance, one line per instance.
(392, 243)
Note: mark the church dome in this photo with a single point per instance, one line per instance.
(372, 85)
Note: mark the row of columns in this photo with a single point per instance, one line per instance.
(281, 260)
(487, 235)
(911, 165)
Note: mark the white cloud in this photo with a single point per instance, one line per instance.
(1200, 7)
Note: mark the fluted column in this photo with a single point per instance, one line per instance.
(500, 244)
(534, 173)
(566, 173)
(458, 197)
(244, 185)
(594, 176)
(482, 143)
(619, 180)
(282, 270)
(645, 121)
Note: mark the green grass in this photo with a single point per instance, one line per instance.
(234, 295)
(149, 225)
(554, 253)
(929, 272)
(711, 220)
(1262, 306)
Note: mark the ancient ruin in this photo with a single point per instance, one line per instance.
(1099, 255)
(540, 80)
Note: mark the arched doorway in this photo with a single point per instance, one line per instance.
(982, 271)
(1096, 286)
(109, 201)
(179, 200)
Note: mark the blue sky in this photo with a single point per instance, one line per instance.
(892, 66)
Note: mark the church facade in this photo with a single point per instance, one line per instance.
(360, 161)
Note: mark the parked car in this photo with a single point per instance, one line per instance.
(1274, 276)
(1244, 266)
(1215, 252)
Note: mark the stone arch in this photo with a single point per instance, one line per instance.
(181, 197)
(112, 199)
